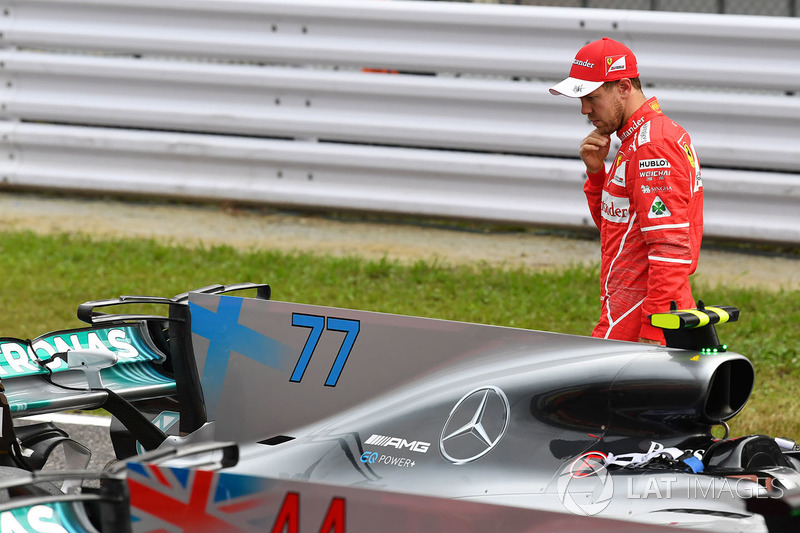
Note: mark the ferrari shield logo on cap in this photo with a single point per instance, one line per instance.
(614, 63)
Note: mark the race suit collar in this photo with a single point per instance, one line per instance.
(642, 115)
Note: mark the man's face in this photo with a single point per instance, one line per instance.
(604, 108)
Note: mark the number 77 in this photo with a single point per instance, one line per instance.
(317, 325)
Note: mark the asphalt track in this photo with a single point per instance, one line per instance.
(89, 430)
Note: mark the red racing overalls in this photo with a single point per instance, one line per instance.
(649, 209)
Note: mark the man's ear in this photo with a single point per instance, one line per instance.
(625, 87)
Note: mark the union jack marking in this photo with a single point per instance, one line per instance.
(174, 499)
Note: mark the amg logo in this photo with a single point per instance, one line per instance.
(653, 163)
(396, 442)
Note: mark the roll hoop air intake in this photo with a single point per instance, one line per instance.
(693, 329)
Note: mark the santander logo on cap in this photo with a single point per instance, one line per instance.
(596, 63)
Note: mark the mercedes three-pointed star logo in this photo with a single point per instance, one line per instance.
(475, 425)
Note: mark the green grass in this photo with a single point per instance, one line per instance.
(46, 277)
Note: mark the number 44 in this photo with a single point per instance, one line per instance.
(317, 325)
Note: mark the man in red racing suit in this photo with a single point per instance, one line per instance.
(648, 206)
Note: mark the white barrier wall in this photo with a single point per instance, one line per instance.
(267, 101)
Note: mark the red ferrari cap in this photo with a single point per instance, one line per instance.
(596, 63)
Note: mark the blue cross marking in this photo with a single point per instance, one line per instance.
(226, 335)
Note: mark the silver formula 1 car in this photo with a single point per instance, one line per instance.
(246, 414)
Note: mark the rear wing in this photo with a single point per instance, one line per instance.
(88, 312)
(119, 359)
(38, 379)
